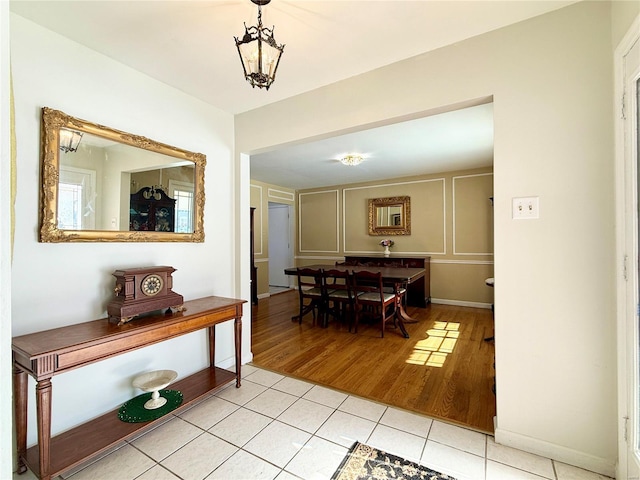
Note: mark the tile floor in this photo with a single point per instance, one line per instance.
(277, 427)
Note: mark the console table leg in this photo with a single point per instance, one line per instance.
(43, 408)
(212, 346)
(20, 412)
(238, 342)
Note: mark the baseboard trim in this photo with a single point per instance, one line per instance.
(461, 303)
(230, 363)
(264, 295)
(555, 452)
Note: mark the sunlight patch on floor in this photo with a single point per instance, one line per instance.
(440, 342)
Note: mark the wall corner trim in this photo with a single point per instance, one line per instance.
(555, 452)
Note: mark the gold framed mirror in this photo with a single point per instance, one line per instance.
(104, 185)
(390, 216)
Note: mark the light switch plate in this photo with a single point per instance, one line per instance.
(526, 208)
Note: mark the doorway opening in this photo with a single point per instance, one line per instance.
(281, 243)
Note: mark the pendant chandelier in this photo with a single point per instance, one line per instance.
(69, 140)
(351, 160)
(259, 52)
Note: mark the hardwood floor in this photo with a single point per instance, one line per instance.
(444, 370)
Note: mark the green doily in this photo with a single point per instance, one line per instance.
(133, 411)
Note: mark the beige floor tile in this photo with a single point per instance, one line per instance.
(317, 460)
(271, 403)
(407, 421)
(325, 396)
(458, 437)
(158, 473)
(161, 442)
(522, 460)
(499, 471)
(277, 443)
(264, 377)
(209, 412)
(245, 370)
(126, 463)
(397, 442)
(306, 415)
(569, 472)
(199, 457)
(461, 465)
(344, 429)
(247, 392)
(241, 426)
(363, 408)
(293, 386)
(284, 475)
(243, 465)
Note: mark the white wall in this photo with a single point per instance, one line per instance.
(64, 283)
(551, 82)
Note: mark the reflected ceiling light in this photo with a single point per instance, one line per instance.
(352, 160)
(259, 52)
(69, 140)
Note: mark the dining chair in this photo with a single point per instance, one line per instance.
(339, 292)
(311, 289)
(369, 292)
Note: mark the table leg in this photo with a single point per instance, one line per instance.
(20, 412)
(43, 408)
(400, 309)
(238, 346)
(400, 321)
(212, 346)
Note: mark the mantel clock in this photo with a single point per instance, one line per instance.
(143, 290)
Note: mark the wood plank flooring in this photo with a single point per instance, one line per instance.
(444, 370)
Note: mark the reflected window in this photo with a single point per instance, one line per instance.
(182, 192)
(76, 197)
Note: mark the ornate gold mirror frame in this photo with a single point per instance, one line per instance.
(390, 216)
(114, 174)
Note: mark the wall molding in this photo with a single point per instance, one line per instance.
(555, 452)
(464, 262)
(261, 260)
(300, 195)
(453, 211)
(460, 303)
(366, 187)
(288, 196)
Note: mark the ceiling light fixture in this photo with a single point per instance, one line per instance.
(351, 160)
(69, 140)
(259, 52)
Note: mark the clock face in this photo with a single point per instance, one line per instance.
(151, 285)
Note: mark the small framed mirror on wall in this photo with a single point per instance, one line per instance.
(390, 216)
(104, 185)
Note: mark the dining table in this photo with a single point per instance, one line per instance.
(395, 275)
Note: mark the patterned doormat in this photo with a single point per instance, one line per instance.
(363, 462)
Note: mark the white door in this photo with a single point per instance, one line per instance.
(280, 246)
(628, 93)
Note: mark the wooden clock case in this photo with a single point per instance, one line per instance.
(131, 300)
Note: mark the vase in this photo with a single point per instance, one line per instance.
(387, 252)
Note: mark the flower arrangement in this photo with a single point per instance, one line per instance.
(387, 242)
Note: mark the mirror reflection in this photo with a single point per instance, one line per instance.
(390, 216)
(101, 184)
(105, 185)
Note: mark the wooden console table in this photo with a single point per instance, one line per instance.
(45, 354)
(418, 293)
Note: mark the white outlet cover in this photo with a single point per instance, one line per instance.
(525, 208)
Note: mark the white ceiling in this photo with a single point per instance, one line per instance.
(457, 140)
(189, 45)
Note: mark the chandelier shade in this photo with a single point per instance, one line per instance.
(259, 52)
(69, 140)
